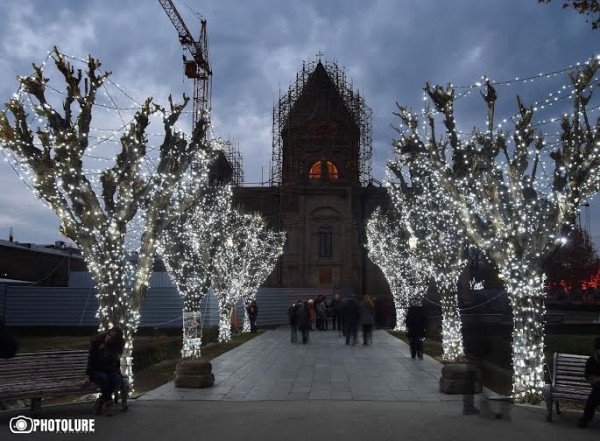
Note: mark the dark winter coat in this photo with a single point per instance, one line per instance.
(351, 310)
(8, 343)
(252, 310)
(293, 314)
(592, 366)
(304, 316)
(367, 314)
(104, 356)
(416, 322)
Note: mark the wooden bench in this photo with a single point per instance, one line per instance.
(568, 382)
(39, 375)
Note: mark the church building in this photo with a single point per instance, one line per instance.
(321, 192)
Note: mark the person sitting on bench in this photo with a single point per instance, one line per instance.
(104, 367)
(592, 375)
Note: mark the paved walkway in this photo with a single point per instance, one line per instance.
(269, 389)
(269, 367)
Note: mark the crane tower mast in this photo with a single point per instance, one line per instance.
(198, 68)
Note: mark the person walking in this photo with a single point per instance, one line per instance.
(351, 318)
(104, 367)
(416, 322)
(252, 310)
(335, 316)
(304, 321)
(293, 316)
(367, 317)
(322, 315)
(339, 313)
(312, 313)
(592, 376)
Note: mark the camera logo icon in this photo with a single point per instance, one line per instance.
(21, 424)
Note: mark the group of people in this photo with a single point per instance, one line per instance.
(346, 316)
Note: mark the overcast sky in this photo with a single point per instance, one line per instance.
(389, 48)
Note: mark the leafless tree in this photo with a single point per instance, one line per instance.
(507, 206)
(98, 215)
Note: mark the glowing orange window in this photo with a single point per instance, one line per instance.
(317, 168)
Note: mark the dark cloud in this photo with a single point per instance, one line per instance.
(389, 48)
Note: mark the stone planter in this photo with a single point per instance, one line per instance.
(194, 373)
(459, 378)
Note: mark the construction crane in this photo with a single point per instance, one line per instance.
(198, 67)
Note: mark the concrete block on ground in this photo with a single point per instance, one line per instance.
(460, 378)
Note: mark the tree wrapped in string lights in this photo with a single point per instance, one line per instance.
(269, 247)
(391, 246)
(189, 245)
(508, 207)
(97, 208)
(384, 252)
(440, 248)
(242, 263)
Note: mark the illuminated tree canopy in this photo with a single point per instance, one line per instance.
(190, 243)
(509, 207)
(243, 261)
(49, 140)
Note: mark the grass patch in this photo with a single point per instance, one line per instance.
(164, 371)
(431, 347)
(494, 377)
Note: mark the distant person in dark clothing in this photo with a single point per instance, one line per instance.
(351, 317)
(592, 375)
(293, 316)
(367, 319)
(104, 367)
(416, 322)
(304, 321)
(8, 342)
(336, 313)
(322, 315)
(252, 310)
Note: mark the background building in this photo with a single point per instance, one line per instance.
(321, 191)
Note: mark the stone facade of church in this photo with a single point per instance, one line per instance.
(321, 192)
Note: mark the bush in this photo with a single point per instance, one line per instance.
(147, 353)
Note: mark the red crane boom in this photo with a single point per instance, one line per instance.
(198, 68)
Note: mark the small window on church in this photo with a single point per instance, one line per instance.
(323, 170)
(325, 241)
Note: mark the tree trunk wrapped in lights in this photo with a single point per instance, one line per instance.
(189, 245)
(243, 262)
(388, 247)
(97, 215)
(430, 217)
(270, 248)
(507, 207)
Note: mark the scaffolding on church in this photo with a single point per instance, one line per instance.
(234, 157)
(355, 104)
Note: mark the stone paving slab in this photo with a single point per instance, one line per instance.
(269, 367)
